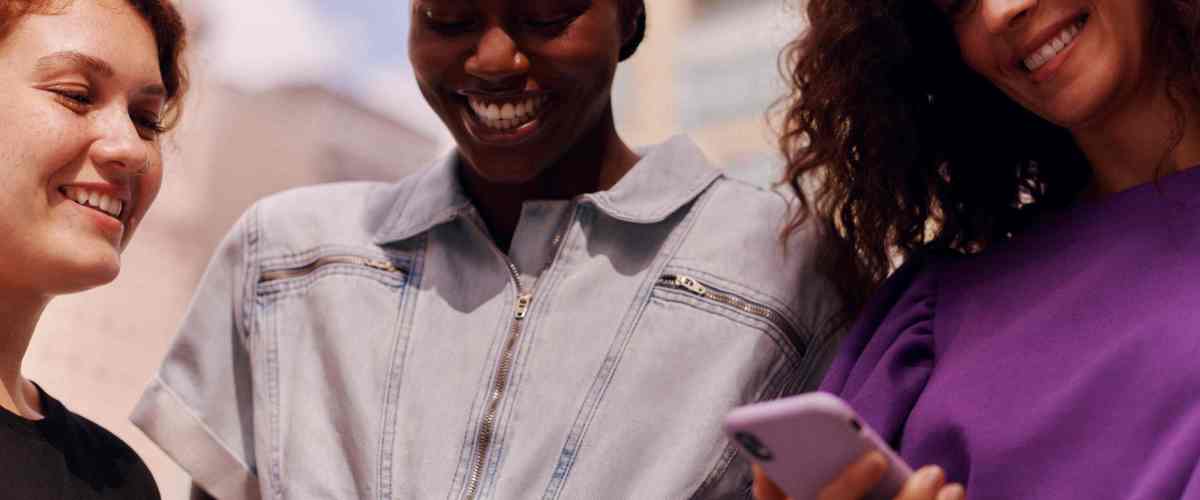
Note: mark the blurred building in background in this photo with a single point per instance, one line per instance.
(708, 68)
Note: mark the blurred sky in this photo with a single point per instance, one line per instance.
(355, 46)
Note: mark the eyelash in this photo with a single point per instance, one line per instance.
(550, 26)
(450, 28)
(150, 126)
(555, 25)
(957, 7)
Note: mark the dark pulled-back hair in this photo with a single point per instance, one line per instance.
(896, 147)
(639, 33)
(170, 36)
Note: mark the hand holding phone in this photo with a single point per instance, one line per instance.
(805, 442)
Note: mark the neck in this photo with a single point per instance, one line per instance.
(1149, 138)
(21, 312)
(596, 163)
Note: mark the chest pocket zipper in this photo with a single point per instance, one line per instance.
(762, 311)
(297, 272)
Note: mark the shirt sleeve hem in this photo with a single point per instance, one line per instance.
(171, 424)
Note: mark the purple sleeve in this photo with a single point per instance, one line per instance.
(885, 361)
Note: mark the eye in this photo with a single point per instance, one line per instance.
(554, 23)
(149, 126)
(77, 100)
(956, 8)
(551, 24)
(452, 27)
(447, 25)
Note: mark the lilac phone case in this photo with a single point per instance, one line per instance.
(804, 442)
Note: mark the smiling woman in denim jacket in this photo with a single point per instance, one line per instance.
(545, 313)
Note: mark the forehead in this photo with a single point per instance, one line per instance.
(106, 30)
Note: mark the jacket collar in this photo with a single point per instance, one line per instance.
(669, 176)
(431, 198)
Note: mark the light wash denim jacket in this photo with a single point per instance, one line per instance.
(369, 340)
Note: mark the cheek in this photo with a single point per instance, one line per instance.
(146, 191)
(434, 60)
(975, 53)
(149, 184)
(38, 144)
(435, 65)
(587, 64)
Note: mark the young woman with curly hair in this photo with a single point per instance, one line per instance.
(86, 89)
(1032, 162)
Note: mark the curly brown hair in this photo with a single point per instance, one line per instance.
(165, 23)
(904, 149)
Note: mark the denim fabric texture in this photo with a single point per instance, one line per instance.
(368, 340)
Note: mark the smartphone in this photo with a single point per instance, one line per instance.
(804, 442)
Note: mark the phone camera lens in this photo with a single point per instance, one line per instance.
(754, 446)
(856, 425)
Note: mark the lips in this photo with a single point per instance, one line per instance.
(505, 120)
(1059, 42)
(506, 114)
(95, 199)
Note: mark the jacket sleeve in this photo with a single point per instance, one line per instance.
(200, 406)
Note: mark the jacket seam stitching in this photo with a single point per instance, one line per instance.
(587, 413)
(397, 361)
(763, 327)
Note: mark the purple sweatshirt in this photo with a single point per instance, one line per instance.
(1063, 364)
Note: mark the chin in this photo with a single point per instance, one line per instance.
(1089, 101)
(80, 276)
(515, 171)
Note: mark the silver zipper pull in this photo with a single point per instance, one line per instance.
(381, 265)
(523, 303)
(690, 284)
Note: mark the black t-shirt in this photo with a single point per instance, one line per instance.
(68, 457)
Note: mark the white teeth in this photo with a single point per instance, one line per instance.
(1047, 52)
(104, 203)
(506, 115)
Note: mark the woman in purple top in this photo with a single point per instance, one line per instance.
(1030, 160)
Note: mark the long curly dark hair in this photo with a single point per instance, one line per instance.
(895, 146)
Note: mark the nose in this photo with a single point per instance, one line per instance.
(119, 150)
(1000, 16)
(497, 57)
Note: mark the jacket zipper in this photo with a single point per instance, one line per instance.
(487, 427)
(296, 272)
(757, 309)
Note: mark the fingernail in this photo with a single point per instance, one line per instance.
(952, 492)
(930, 476)
(876, 463)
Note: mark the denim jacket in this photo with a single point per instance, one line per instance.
(369, 340)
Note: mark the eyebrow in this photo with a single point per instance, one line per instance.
(58, 59)
(91, 65)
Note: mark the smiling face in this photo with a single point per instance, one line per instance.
(518, 82)
(1073, 62)
(80, 100)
